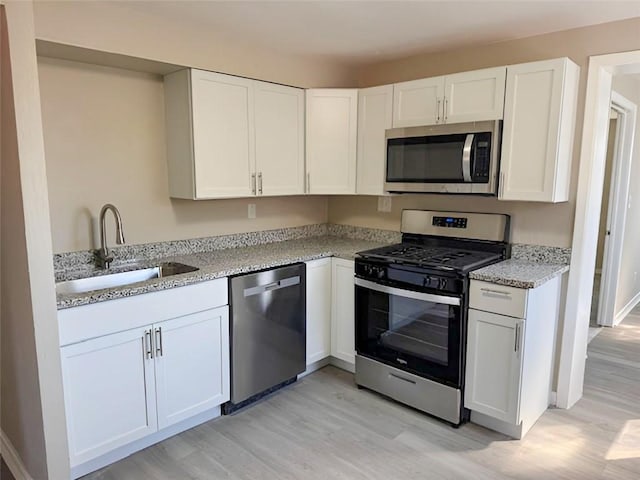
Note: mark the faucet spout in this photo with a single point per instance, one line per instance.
(103, 259)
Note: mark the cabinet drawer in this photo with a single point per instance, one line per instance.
(498, 299)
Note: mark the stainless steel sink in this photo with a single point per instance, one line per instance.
(100, 282)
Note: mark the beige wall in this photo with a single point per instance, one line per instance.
(32, 415)
(114, 27)
(628, 281)
(532, 223)
(105, 143)
(21, 415)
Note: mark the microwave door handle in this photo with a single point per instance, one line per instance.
(466, 158)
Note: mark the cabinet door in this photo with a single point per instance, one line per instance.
(318, 309)
(494, 365)
(222, 109)
(374, 117)
(537, 140)
(343, 311)
(331, 140)
(279, 139)
(418, 102)
(192, 364)
(474, 96)
(109, 392)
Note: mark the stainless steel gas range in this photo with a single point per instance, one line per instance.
(411, 307)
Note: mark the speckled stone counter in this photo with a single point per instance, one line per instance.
(215, 264)
(519, 273)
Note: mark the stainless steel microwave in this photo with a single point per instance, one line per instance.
(450, 158)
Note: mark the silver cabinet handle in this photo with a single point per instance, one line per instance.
(159, 342)
(445, 109)
(408, 380)
(253, 183)
(495, 292)
(308, 182)
(260, 183)
(438, 110)
(148, 348)
(517, 337)
(501, 186)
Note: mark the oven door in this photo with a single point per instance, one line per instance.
(415, 331)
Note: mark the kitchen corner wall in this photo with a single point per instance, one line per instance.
(544, 224)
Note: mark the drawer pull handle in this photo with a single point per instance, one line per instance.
(408, 380)
(496, 292)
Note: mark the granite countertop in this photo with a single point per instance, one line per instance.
(519, 273)
(215, 264)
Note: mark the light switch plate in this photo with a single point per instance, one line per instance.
(384, 204)
(251, 211)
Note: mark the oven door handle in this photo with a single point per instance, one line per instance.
(427, 297)
(466, 158)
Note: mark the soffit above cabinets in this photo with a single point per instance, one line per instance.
(62, 51)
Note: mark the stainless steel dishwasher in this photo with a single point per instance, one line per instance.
(268, 332)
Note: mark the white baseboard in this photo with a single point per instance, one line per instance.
(627, 309)
(343, 365)
(12, 459)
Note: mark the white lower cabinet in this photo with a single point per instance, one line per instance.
(318, 310)
(109, 390)
(510, 359)
(139, 369)
(343, 311)
(191, 365)
(494, 366)
(330, 313)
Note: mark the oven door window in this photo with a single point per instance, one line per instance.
(426, 159)
(411, 333)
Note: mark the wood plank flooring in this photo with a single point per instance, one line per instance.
(324, 428)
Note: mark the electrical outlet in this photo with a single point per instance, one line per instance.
(251, 211)
(384, 204)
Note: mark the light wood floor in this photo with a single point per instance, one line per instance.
(324, 428)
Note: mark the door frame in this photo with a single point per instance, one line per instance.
(575, 331)
(617, 211)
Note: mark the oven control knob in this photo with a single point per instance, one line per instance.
(442, 283)
(426, 281)
(380, 273)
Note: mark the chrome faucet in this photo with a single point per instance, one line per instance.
(102, 257)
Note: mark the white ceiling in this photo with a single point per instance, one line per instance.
(370, 31)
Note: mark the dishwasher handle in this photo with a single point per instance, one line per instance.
(270, 287)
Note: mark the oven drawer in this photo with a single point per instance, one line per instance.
(421, 393)
(494, 298)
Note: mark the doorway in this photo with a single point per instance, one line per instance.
(605, 310)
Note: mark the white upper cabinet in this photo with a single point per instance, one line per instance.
(374, 117)
(463, 97)
(279, 139)
(418, 102)
(537, 140)
(474, 96)
(231, 137)
(331, 141)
